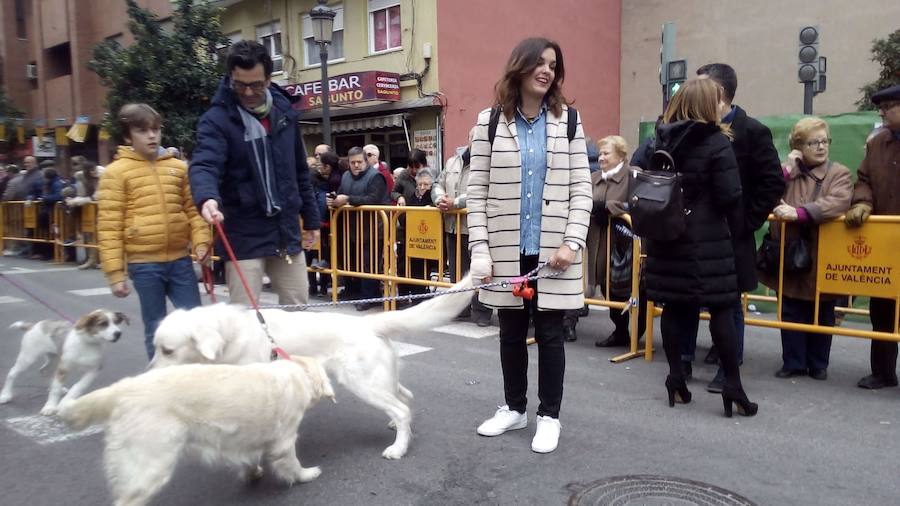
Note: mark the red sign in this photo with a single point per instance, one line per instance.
(347, 89)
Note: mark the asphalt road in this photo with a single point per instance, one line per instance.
(815, 443)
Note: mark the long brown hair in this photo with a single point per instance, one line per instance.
(696, 100)
(522, 61)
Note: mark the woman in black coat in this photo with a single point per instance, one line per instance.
(697, 269)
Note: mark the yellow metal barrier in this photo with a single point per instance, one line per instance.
(76, 226)
(19, 222)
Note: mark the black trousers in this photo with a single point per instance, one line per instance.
(883, 355)
(677, 323)
(806, 350)
(514, 352)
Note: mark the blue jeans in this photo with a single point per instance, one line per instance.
(156, 281)
(806, 350)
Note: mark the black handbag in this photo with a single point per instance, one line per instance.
(620, 262)
(655, 200)
(797, 254)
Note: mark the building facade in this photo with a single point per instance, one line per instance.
(760, 39)
(46, 47)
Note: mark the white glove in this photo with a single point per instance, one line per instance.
(482, 266)
(785, 212)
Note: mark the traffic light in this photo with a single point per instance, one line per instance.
(808, 55)
(676, 74)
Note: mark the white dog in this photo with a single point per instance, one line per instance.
(242, 416)
(356, 350)
(74, 349)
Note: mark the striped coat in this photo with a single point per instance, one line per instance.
(494, 206)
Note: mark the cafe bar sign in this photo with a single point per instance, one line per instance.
(347, 89)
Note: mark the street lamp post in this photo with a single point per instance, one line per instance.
(323, 25)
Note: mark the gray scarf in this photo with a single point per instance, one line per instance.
(263, 168)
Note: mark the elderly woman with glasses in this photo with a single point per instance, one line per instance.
(373, 156)
(818, 190)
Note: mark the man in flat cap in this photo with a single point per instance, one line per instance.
(877, 191)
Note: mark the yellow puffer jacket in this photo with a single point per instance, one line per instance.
(147, 213)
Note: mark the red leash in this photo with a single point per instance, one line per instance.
(277, 352)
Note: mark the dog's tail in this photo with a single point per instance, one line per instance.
(429, 314)
(92, 409)
(22, 325)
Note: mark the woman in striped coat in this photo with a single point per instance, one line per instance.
(529, 200)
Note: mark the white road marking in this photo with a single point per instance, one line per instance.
(466, 329)
(221, 291)
(406, 349)
(88, 292)
(47, 430)
(23, 270)
(6, 299)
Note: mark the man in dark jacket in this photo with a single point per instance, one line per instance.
(762, 186)
(877, 191)
(250, 167)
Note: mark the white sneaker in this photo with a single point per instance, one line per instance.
(546, 436)
(503, 420)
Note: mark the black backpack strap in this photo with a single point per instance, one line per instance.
(492, 124)
(572, 123)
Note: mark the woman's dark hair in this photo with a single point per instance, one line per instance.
(246, 54)
(522, 61)
(418, 157)
(330, 159)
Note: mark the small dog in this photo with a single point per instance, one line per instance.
(243, 416)
(356, 350)
(69, 349)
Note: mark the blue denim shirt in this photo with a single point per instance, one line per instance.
(533, 150)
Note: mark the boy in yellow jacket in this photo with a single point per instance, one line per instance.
(148, 219)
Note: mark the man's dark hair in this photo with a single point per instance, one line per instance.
(723, 74)
(418, 157)
(246, 54)
(355, 150)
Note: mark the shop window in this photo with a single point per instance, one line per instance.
(384, 25)
(335, 49)
(269, 35)
(21, 25)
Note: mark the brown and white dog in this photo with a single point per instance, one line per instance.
(72, 349)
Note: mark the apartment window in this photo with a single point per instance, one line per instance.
(222, 49)
(269, 35)
(167, 26)
(384, 25)
(58, 61)
(335, 49)
(118, 39)
(21, 26)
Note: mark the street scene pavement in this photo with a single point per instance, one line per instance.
(812, 443)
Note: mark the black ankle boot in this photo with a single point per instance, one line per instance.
(569, 333)
(677, 390)
(736, 396)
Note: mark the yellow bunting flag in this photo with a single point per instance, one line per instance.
(78, 131)
(20, 134)
(103, 135)
(61, 139)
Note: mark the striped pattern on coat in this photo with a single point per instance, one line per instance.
(494, 194)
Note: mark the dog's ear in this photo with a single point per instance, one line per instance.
(87, 321)
(209, 342)
(122, 317)
(317, 376)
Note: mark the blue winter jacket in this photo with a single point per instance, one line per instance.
(221, 169)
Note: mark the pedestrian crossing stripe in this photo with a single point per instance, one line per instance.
(89, 292)
(6, 299)
(46, 430)
(466, 329)
(406, 349)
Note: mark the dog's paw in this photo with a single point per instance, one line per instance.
(5, 398)
(252, 473)
(393, 452)
(49, 410)
(392, 425)
(308, 474)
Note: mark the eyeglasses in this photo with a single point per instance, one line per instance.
(241, 87)
(818, 142)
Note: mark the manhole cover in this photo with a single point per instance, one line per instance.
(649, 490)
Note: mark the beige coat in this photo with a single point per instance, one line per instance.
(832, 202)
(453, 183)
(611, 193)
(494, 207)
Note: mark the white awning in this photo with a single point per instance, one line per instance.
(351, 125)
